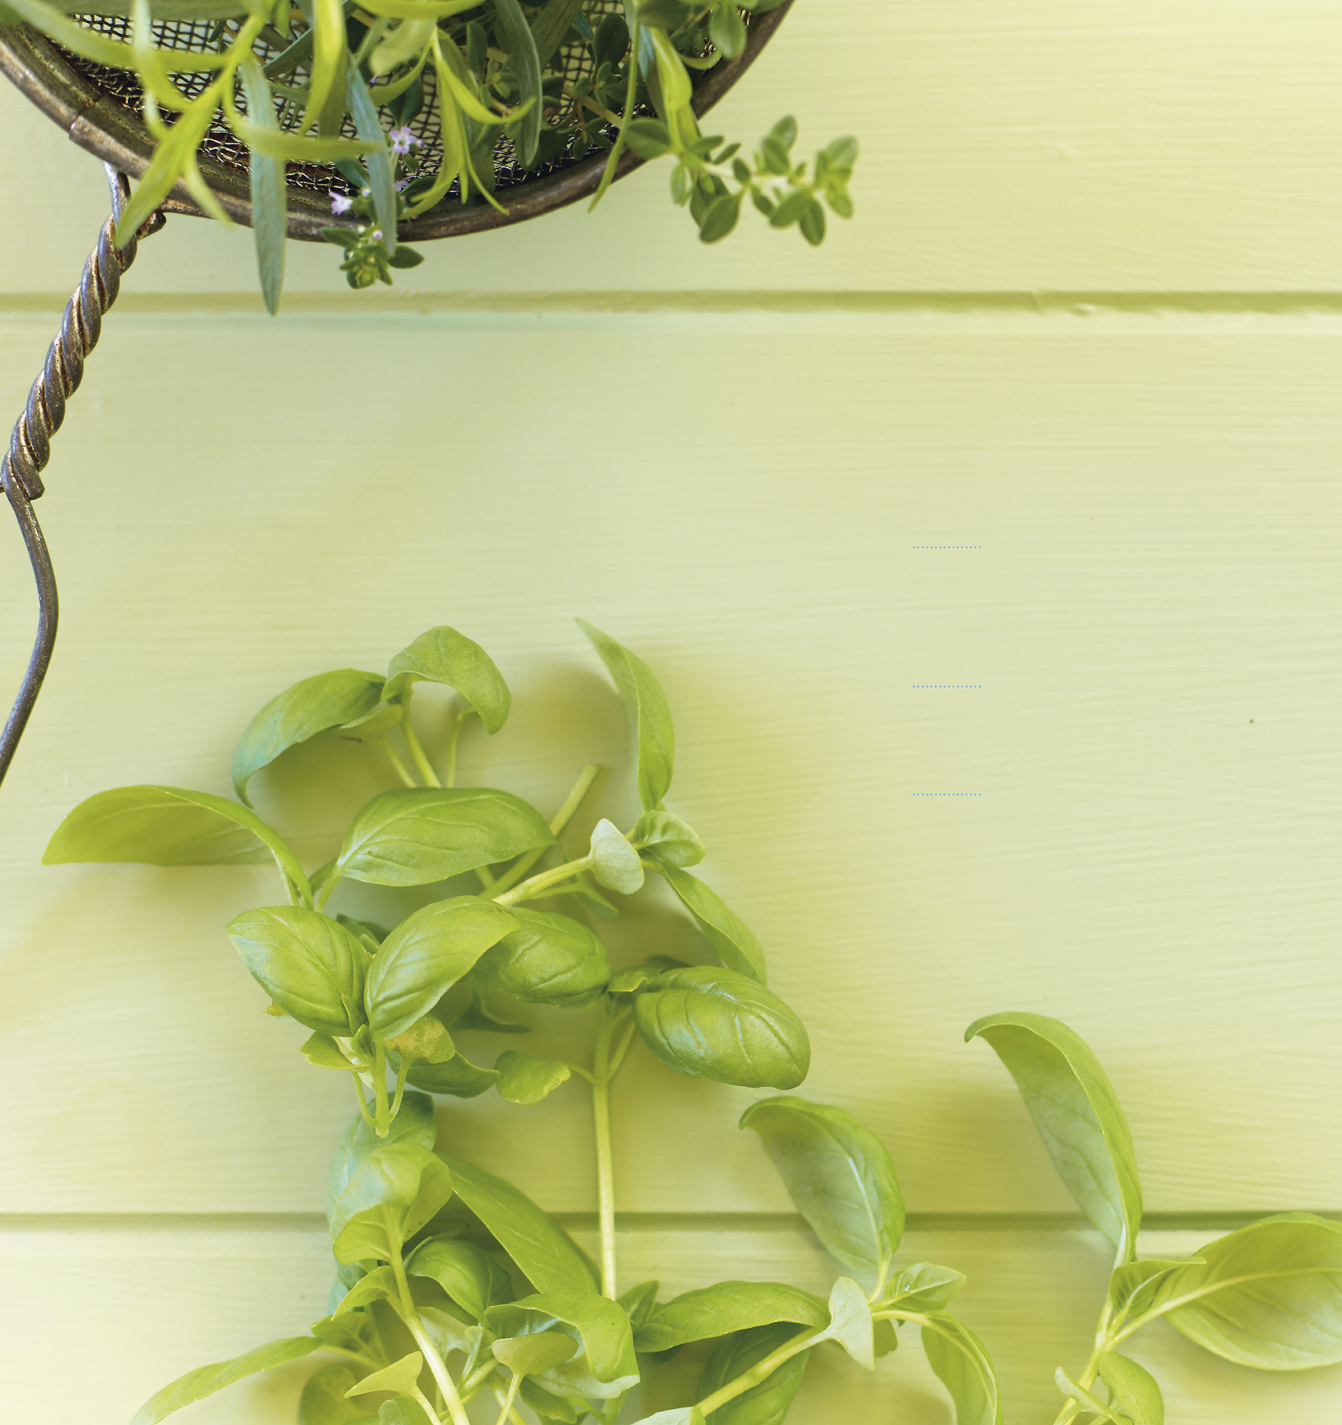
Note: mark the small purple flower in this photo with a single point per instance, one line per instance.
(402, 184)
(340, 202)
(403, 140)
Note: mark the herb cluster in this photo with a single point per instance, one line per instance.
(339, 82)
(451, 1284)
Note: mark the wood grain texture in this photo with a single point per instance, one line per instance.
(1148, 612)
(1139, 146)
(148, 1305)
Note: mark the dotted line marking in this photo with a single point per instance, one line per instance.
(948, 794)
(946, 685)
(948, 546)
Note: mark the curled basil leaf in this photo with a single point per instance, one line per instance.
(442, 655)
(646, 707)
(548, 959)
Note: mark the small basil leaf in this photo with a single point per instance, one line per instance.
(400, 1376)
(523, 1079)
(298, 713)
(310, 965)
(607, 1366)
(851, 1324)
(615, 863)
(323, 1400)
(388, 1198)
(768, 1402)
(1133, 1286)
(668, 838)
(651, 974)
(547, 1255)
(442, 655)
(425, 956)
(377, 1285)
(1083, 1397)
(532, 1355)
(1133, 1392)
(548, 959)
(402, 1410)
(727, 933)
(725, 1308)
(963, 1366)
(324, 1053)
(838, 1173)
(205, 1380)
(425, 1042)
(552, 1407)
(469, 1276)
(646, 707)
(413, 1124)
(417, 835)
(458, 1077)
(710, 1023)
(1078, 1116)
(639, 1303)
(923, 1287)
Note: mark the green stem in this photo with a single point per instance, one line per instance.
(363, 1103)
(506, 1412)
(760, 1372)
(631, 95)
(605, 1157)
(410, 1315)
(561, 819)
(416, 751)
(451, 779)
(324, 895)
(537, 885)
(398, 766)
(1103, 1342)
(383, 1117)
(401, 1073)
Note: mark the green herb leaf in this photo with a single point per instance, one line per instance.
(649, 138)
(721, 216)
(205, 1380)
(923, 1287)
(457, 1077)
(270, 203)
(311, 966)
(963, 1366)
(548, 1256)
(1133, 1285)
(709, 1023)
(851, 1324)
(442, 655)
(549, 959)
(516, 37)
(615, 863)
(413, 1124)
(639, 1303)
(523, 1079)
(1134, 1394)
(1078, 1116)
(390, 1195)
(1269, 1295)
(471, 1278)
(323, 1400)
(417, 835)
(768, 1402)
(838, 1173)
(727, 933)
(646, 706)
(324, 1053)
(1084, 1398)
(669, 839)
(402, 1410)
(400, 1376)
(533, 1355)
(725, 1308)
(425, 1042)
(682, 1415)
(425, 955)
(727, 29)
(381, 165)
(606, 1366)
(377, 1285)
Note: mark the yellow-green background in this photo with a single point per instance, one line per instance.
(1088, 320)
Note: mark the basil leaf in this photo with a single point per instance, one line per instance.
(709, 1023)
(469, 1276)
(639, 1303)
(1133, 1392)
(402, 1410)
(683, 1415)
(729, 935)
(1133, 1286)
(1078, 1116)
(963, 1366)
(768, 1402)
(531, 1355)
(323, 1400)
(442, 655)
(728, 1307)
(1269, 1295)
(270, 216)
(525, 62)
(390, 1195)
(606, 1367)
(548, 959)
(310, 965)
(457, 1077)
(205, 1380)
(523, 1079)
(425, 1042)
(425, 956)
(413, 1124)
(1084, 1398)
(838, 1173)
(323, 1052)
(923, 1287)
(400, 1376)
(309, 707)
(667, 838)
(851, 1324)
(377, 1285)
(547, 1255)
(550, 1406)
(647, 709)
(416, 835)
(615, 863)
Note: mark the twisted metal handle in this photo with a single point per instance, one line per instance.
(30, 444)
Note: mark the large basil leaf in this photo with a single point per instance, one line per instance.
(715, 1024)
(646, 706)
(323, 1400)
(963, 1366)
(768, 1402)
(205, 1380)
(1269, 1295)
(474, 1280)
(549, 1257)
(548, 959)
(425, 956)
(413, 1124)
(532, 1355)
(442, 655)
(392, 1193)
(727, 933)
(1133, 1392)
(838, 1173)
(309, 707)
(416, 835)
(1078, 1116)
(725, 1308)
(606, 1366)
(457, 1077)
(310, 965)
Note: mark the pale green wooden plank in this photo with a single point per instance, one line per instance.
(1153, 615)
(168, 1301)
(1111, 146)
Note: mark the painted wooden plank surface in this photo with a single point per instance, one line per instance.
(1103, 147)
(146, 1305)
(1140, 590)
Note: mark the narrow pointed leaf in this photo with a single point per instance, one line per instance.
(197, 1384)
(727, 933)
(646, 706)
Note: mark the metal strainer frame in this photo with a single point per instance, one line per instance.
(112, 132)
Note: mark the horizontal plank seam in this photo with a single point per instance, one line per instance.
(762, 1222)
